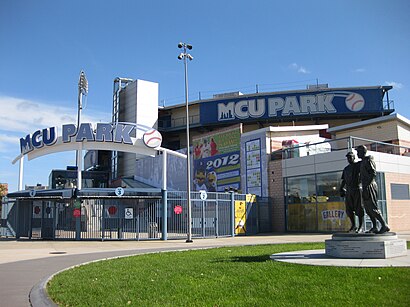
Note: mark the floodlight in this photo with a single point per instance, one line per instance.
(180, 56)
(180, 45)
(189, 46)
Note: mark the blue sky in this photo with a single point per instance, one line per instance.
(278, 45)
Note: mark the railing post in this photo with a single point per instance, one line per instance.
(350, 143)
(164, 215)
(232, 214)
(164, 197)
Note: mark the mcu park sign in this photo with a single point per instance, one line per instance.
(133, 138)
(105, 136)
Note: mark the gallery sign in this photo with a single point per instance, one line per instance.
(293, 104)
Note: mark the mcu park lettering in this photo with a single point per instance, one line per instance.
(104, 132)
(345, 102)
(290, 106)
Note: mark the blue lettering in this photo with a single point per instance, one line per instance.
(49, 136)
(68, 132)
(25, 144)
(85, 132)
(122, 134)
(104, 133)
(36, 139)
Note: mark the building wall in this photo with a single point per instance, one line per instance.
(384, 131)
(138, 104)
(398, 210)
(403, 135)
(277, 195)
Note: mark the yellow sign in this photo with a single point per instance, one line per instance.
(250, 198)
(240, 216)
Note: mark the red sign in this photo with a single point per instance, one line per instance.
(37, 209)
(77, 212)
(178, 209)
(112, 210)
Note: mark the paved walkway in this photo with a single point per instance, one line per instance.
(24, 264)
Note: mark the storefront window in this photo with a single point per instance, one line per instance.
(314, 203)
(301, 197)
(301, 189)
(328, 186)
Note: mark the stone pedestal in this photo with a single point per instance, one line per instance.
(366, 246)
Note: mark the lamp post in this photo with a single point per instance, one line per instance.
(82, 91)
(184, 56)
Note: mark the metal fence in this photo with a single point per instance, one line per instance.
(348, 143)
(210, 218)
(132, 218)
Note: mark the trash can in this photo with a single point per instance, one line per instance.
(153, 230)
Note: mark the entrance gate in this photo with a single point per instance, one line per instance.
(98, 214)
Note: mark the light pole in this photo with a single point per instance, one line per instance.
(184, 56)
(82, 91)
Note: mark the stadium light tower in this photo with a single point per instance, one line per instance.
(82, 91)
(186, 56)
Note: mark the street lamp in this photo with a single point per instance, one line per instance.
(184, 56)
(82, 91)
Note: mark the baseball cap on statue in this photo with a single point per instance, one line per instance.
(361, 148)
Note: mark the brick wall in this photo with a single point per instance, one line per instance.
(398, 211)
(277, 194)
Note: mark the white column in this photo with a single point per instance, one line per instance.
(79, 165)
(21, 167)
(164, 170)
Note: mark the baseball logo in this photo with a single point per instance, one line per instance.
(355, 102)
(152, 138)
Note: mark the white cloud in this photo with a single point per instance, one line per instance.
(26, 116)
(359, 70)
(396, 85)
(8, 142)
(303, 70)
(293, 66)
(300, 69)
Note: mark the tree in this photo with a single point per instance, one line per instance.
(3, 192)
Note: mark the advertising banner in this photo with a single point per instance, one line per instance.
(347, 101)
(216, 159)
(254, 164)
(240, 217)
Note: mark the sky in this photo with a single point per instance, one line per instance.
(277, 45)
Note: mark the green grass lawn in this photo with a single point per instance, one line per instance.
(234, 276)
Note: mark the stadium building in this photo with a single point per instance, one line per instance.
(286, 148)
(289, 148)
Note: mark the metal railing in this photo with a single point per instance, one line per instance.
(103, 217)
(347, 143)
(179, 122)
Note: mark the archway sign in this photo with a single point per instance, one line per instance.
(105, 136)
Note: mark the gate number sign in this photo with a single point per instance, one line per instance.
(119, 191)
(203, 194)
(129, 213)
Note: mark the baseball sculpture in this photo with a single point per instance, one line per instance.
(152, 138)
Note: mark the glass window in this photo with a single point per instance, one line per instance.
(328, 186)
(399, 191)
(314, 203)
(301, 198)
(301, 189)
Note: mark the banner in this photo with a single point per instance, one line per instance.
(216, 159)
(320, 103)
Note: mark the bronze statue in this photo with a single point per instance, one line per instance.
(369, 190)
(350, 190)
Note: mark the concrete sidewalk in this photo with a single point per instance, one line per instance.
(12, 250)
(24, 264)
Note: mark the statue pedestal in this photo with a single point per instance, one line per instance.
(366, 246)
